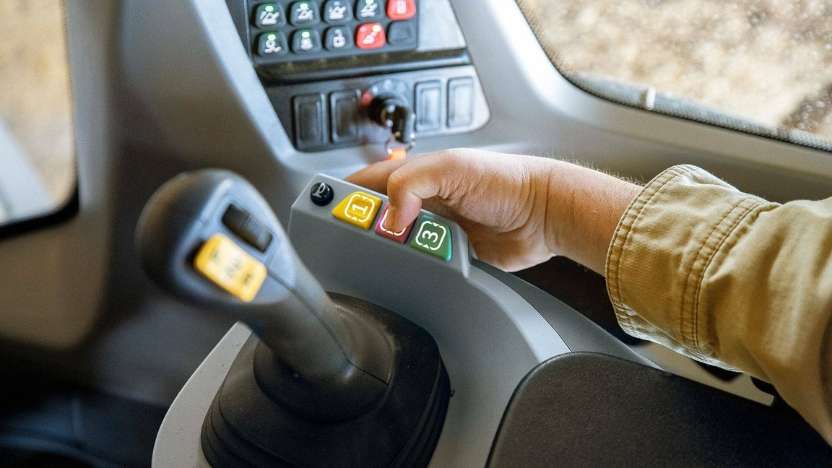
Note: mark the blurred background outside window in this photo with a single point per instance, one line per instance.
(37, 167)
(766, 62)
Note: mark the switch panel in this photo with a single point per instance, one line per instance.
(332, 28)
(445, 101)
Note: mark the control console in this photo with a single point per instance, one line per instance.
(333, 68)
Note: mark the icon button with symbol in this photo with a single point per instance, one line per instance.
(321, 194)
(338, 38)
(401, 9)
(368, 9)
(358, 209)
(304, 13)
(337, 11)
(432, 237)
(271, 44)
(269, 16)
(370, 36)
(305, 41)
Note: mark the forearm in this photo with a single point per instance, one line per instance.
(583, 211)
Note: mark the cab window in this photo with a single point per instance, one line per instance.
(756, 65)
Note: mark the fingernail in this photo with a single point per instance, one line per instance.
(391, 222)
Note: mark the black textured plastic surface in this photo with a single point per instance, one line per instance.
(245, 427)
(584, 409)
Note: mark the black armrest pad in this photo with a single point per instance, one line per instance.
(584, 409)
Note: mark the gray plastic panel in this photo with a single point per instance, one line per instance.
(489, 336)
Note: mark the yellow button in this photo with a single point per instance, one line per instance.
(230, 267)
(359, 209)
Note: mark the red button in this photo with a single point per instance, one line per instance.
(401, 9)
(370, 36)
(399, 237)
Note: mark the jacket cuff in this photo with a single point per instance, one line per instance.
(660, 250)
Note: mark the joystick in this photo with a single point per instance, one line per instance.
(329, 380)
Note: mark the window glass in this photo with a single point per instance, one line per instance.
(37, 168)
(768, 62)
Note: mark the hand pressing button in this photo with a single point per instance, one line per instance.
(399, 237)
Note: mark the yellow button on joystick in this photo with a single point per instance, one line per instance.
(358, 209)
(230, 267)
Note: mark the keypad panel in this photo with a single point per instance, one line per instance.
(298, 30)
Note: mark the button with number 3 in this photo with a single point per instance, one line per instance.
(432, 237)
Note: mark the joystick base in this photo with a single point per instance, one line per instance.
(245, 427)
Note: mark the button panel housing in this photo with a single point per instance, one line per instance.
(448, 247)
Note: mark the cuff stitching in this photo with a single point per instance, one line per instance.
(747, 206)
(624, 229)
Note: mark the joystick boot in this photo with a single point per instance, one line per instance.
(329, 380)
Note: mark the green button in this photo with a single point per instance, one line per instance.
(432, 237)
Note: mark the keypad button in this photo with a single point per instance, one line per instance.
(321, 194)
(338, 38)
(269, 16)
(370, 36)
(402, 33)
(368, 9)
(400, 236)
(305, 41)
(337, 11)
(272, 44)
(304, 13)
(401, 9)
(432, 237)
(358, 209)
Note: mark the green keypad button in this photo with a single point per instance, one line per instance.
(432, 237)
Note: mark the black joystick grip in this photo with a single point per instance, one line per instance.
(209, 238)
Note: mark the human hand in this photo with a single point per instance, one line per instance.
(518, 211)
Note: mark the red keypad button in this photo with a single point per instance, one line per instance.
(401, 9)
(370, 36)
(399, 237)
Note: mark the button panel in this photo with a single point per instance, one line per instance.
(363, 27)
(360, 212)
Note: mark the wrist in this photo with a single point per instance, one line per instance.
(582, 212)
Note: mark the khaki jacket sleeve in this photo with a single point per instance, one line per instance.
(731, 279)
